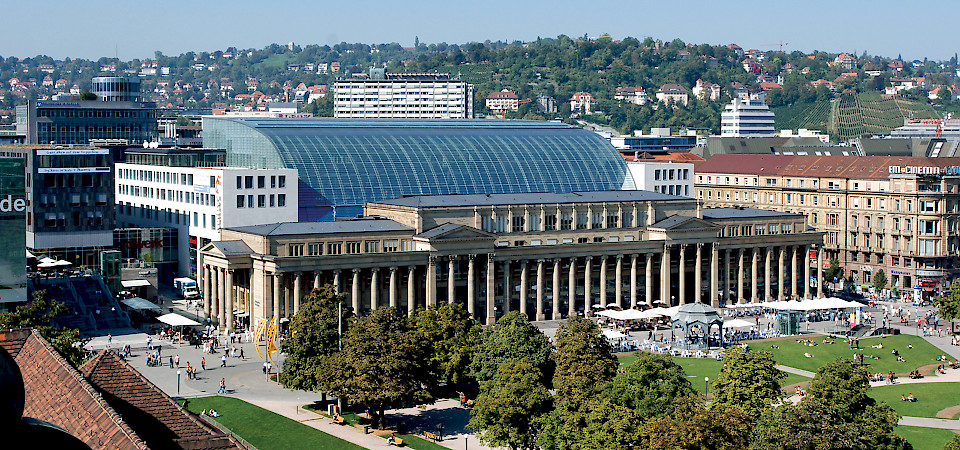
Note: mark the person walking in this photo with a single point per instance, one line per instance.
(223, 360)
(203, 363)
(241, 353)
(176, 361)
(223, 386)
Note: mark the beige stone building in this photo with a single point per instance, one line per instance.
(547, 255)
(898, 214)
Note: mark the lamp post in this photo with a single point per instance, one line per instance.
(706, 386)
(178, 381)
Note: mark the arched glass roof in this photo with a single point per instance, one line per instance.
(344, 163)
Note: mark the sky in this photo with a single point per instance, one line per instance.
(136, 29)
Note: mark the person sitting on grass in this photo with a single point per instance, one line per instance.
(214, 413)
(392, 440)
(911, 398)
(902, 398)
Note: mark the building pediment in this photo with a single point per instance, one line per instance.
(677, 222)
(454, 232)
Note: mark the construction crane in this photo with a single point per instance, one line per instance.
(780, 44)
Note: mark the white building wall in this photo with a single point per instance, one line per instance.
(422, 99)
(199, 201)
(664, 177)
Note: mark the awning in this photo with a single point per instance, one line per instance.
(176, 320)
(140, 304)
(134, 283)
(610, 334)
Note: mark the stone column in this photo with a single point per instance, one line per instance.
(698, 274)
(316, 279)
(603, 280)
(491, 290)
(633, 281)
(648, 282)
(820, 271)
(741, 275)
(296, 292)
(768, 275)
(587, 285)
(805, 259)
(572, 288)
(781, 275)
(556, 289)
(540, 315)
(451, 283)
(754, 282)
(277, 285)
(507, 286)
(411, 290)
(618, 282)
(355, 292)
(230, 300)
(207, 289)
(374, 287)
(682, 268)
(523, 287)
(222, 300)
(714, 275)
(726, 276)
(665, 277)
(393, 287)
(471, 299)
(214, 294)
(431, 282)
(336, 281)
(794, 287)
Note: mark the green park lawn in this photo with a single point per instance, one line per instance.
(924, 438)
(931, 397)
(698, 368)
(791, 353)
(265, 429)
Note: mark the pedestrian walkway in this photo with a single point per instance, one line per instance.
(795, 371)
(927, 422)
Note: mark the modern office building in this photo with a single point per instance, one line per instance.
(70, 213)
(191, 191)
(79, 122)
(548, 255)
(898, 214)
(403, 96)
(665, 177)
(658, 141)
(746, 118)
(13, 212)
(116, 89)
(345, 163)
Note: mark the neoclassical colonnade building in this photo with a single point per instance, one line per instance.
(548, 255)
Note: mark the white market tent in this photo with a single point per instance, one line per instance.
(134, 283)
(737, 323)
(176, 320)
(610, 334)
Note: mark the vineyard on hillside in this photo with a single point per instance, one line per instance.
(852, 115)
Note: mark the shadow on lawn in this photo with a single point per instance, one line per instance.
(454, 420)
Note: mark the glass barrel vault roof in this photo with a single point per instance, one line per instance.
(344, 163)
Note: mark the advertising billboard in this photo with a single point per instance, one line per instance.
(13, 233)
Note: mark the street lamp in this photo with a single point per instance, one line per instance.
(178, 381)
(706, 386)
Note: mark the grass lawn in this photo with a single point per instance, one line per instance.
(791, 353)
(698, 368)
(931, 397)
(925, 438)
(418, 443)
(265, 429)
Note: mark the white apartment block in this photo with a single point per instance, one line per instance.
(747, 118)
(663, 177)
(403, 96)
(199, 201)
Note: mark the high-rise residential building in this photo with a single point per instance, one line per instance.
(746, 118)
(896, 214)
(403, 95)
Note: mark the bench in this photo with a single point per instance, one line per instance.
(395, 441)
(431, 436)
(339, 420)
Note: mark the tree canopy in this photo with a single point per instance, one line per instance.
(511, 407)
(650, 385)
(749, 381)
(314, 335)
(452, 337)
(584, 360)
(512, 338)
(39, 314)
(949, 305)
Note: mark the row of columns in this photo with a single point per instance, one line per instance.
(786, 290)
(219, 296)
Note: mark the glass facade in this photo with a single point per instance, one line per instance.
(13, 207)
(344, 163)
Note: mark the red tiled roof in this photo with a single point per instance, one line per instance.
(506, 95)
(860, 167)
(57, 393)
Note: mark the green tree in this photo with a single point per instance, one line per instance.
(314, 335)
(39, 314)
(584, 360)
(953, 444)
(452, 336)
(834, 272)
(692, 425)
(749, 381)
(512, 338)
(880, 280)
(949, 304)
(843, 384)
(511, 407)
(383, 363)
(649, 385)
(86, 95)
(817, 424)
